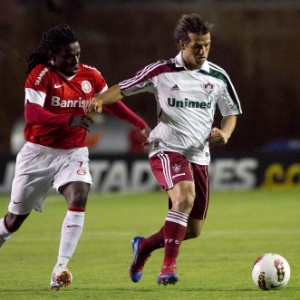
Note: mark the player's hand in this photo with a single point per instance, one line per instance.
(93, 105)
(218, 137)
(81, 121)
(146, 132)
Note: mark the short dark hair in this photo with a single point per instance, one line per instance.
(191, 24)
(50, 42)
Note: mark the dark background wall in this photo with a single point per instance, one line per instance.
(256, 42)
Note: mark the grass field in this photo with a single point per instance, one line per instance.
(216, 266)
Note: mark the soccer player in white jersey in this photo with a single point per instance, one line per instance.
(55, 154)
(188, 89)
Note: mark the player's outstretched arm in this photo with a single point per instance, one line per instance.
(112, 95)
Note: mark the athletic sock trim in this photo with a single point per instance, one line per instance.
(177, 217)
(81, 209)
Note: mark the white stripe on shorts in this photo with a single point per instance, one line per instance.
(165, 161)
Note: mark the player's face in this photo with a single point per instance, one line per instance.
(67, 59)
(195, 52)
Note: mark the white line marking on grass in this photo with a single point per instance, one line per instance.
(57, 197)
(254, 232)
(109, 233)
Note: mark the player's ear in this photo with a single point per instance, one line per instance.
(181, 45)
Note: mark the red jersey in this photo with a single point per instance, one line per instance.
(51, 99)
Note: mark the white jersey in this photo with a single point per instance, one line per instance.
(186, 104)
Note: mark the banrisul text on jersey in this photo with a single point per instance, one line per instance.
(57, 101)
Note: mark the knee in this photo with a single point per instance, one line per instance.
(188, 197)
(189, 202)
(13, 222)
(78, 199)
(185, 201)
(76, 194)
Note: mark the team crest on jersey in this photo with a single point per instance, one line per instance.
(176, 168)
(86, 86)
(208, 87)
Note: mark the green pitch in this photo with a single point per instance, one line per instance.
(216, 266)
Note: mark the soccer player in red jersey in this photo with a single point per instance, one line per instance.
(55, 154)
(188, 90)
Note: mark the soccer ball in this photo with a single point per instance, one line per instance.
(271, 272)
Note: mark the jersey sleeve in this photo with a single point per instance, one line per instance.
(228, 102)
(36, 85)
(34, 96)
(142, 81)
(120, 110)
(37, 115)
(99, 84)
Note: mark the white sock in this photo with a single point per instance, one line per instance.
(70, 234)
(4, 233)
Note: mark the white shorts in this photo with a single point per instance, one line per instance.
(38, 168)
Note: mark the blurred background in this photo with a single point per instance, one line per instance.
(257, 42)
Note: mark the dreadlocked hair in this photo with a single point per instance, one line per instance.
(50, 43)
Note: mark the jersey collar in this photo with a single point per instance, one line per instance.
(179, 62)
(65, 76)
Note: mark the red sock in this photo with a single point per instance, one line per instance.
(175, 229)
(153, 242)
(150, 244)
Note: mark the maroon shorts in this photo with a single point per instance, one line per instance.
(170, 168)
